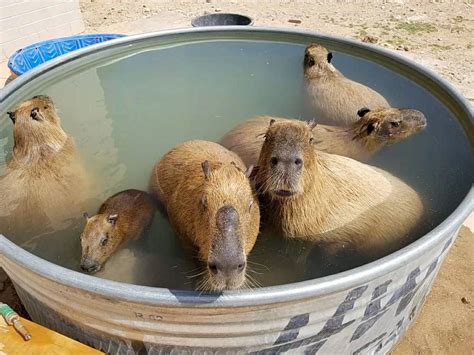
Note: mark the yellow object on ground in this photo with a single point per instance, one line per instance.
(43, 342)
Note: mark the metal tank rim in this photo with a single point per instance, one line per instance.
(244, 297)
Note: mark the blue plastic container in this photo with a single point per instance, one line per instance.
(31, 56)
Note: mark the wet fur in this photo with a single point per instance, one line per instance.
(352, 141)
(179, 183)
(134, 210)
(334, 98)
(341, 202)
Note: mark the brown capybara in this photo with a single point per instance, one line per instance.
(359, 140)
(323, 197)
(44, 182)
(211, 206)
(122, 217)
(334, 98)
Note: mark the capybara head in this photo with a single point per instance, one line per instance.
(388, 125)
(36, 126)
(99, 240)
(227, 227)
(317, 61)
(287, 151)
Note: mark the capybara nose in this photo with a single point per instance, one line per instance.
(228, 268)
(89, 265)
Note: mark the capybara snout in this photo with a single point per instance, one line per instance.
(227, 261)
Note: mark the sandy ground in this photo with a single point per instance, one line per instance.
(439, 36)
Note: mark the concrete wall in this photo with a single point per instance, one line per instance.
(23, 22)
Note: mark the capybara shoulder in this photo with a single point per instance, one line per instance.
(211, 206)
(122, 217)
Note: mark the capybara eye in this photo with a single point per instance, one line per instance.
(46, 107)
(274, 161)
(213, 268)
(104, 241)
(311, 140)
(309, 60)
(395, 124)
(298, 161)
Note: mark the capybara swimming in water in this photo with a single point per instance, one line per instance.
(211, 206)
(122, 217)
(323, 197)
(334, 98)
(359, 140)
(44, 181)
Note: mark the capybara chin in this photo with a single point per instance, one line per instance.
(322, 197)
(122, 217)
(359, 140)
(44, 181)
(211, 206)
(334, 98)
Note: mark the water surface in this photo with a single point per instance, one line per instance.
(125, 114)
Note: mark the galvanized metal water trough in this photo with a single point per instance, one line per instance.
(364, 310)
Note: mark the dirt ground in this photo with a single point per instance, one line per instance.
(437, 35)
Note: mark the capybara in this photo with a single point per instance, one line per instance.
(44, 183)
(334, 98)
(122, 217)
(211, 206)
(323, 197)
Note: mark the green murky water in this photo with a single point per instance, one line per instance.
(126, 113)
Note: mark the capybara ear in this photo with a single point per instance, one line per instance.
(312, 124)
(204, 201)
(272, 121)
(363, 111)
(249, 170)
(329, 57)
(206, 169)
(86, 216)
(12, 116)
(112, 218)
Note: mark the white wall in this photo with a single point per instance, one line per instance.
(24, 22)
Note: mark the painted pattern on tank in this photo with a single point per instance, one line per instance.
(369, 319)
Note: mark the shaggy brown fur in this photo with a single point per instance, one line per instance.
(334, 98)
(194, 181)
(44, 183)
(122, 217)
(331, 198)
(359, 140)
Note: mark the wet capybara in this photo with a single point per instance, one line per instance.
(122, 217)
(323, 197)
(44, 182)
(211, 206)
(360, 140)
(334, 98)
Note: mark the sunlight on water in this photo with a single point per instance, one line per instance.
(124, 115)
